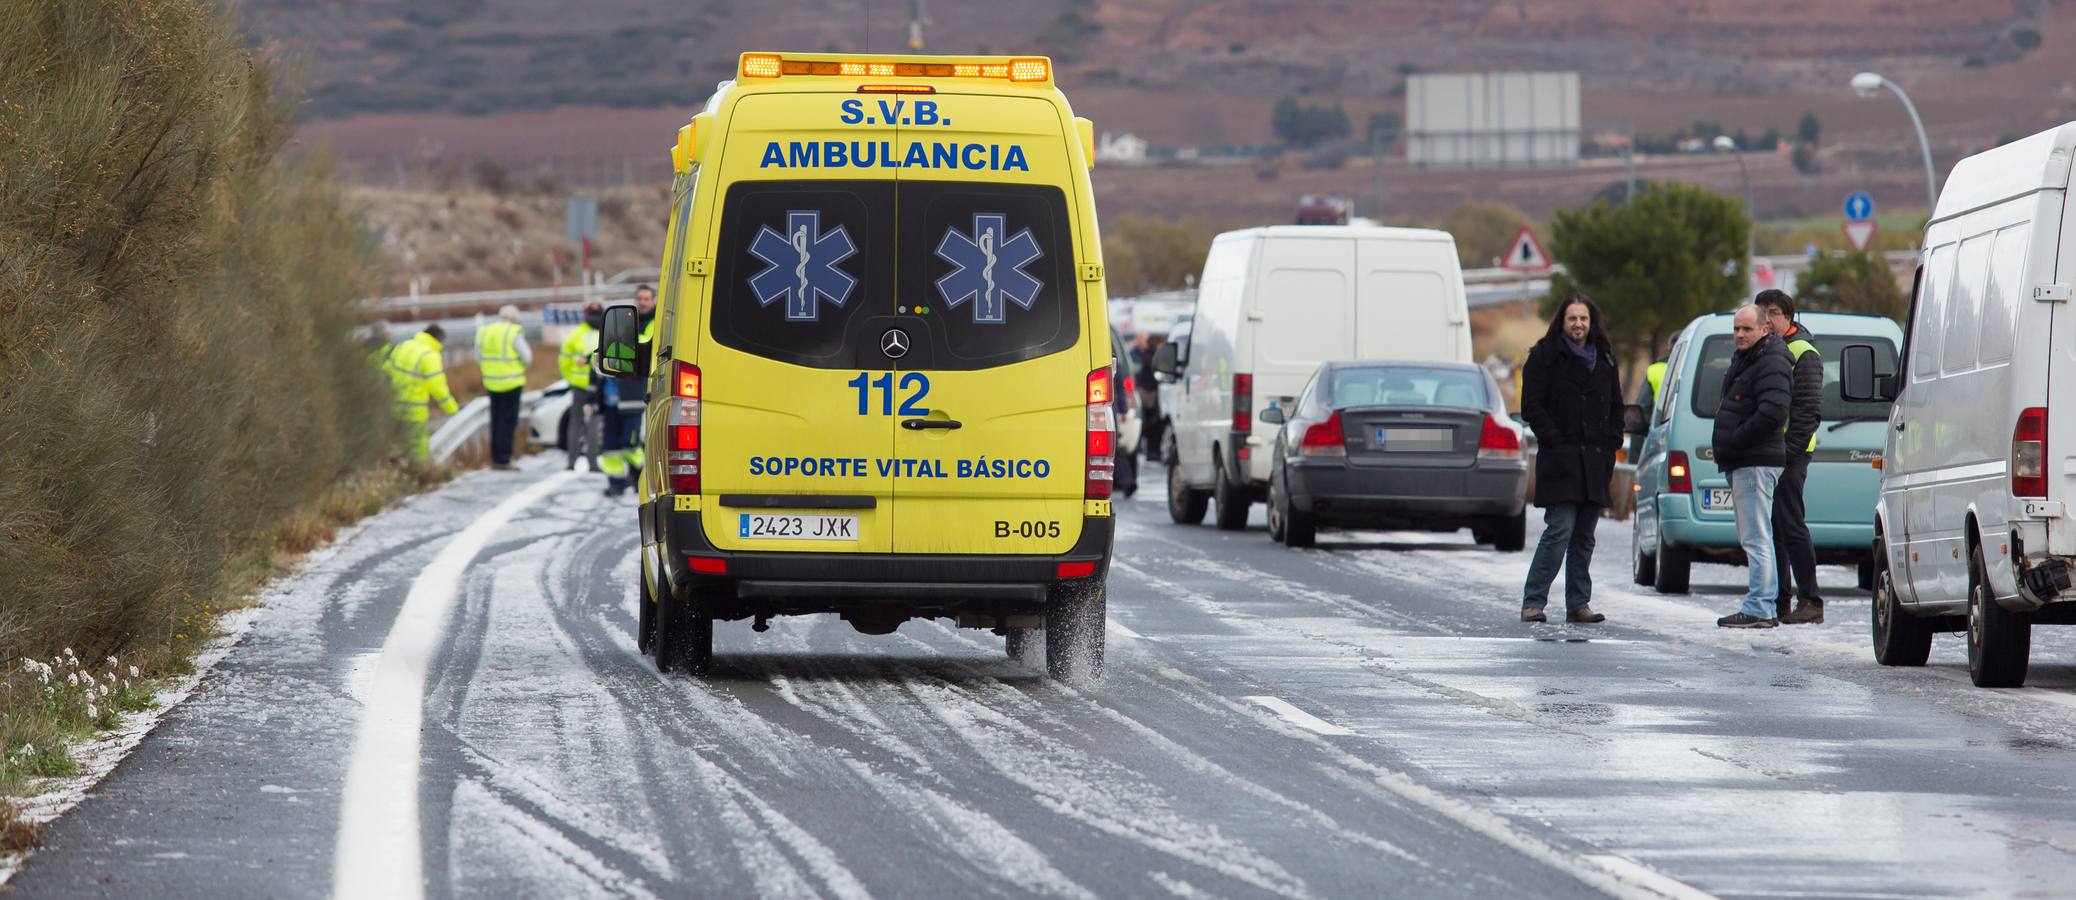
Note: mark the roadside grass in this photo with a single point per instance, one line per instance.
(183, 409)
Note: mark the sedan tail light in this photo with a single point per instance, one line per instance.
(1498, 441)
(1325, 438)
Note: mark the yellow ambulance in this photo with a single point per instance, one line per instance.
(879, 384)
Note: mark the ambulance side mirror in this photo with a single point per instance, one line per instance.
(619, 342)
(1859, 382)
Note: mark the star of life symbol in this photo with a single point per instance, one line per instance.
(803, 266)
(989, 268)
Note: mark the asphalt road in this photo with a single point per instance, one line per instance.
(1364, 719)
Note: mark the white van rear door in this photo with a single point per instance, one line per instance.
(1406, 307)
(1304, 309)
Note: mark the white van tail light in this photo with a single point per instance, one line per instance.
(683, 425)
(1498, 441)
(2029, 454)
(1102, 436)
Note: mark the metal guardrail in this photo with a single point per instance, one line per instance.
(470, 425)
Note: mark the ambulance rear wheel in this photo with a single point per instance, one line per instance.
(1023, 646)
(1075, 616)
(645, 619)
(685, 633)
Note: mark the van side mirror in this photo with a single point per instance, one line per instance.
(1633, 420)
(1164, 361)
(1858, 382)
(1272, 415)
(619, 343)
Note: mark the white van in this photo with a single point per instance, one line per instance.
(1973, 531)
(1274, 303)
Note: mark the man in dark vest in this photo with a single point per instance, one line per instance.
(1571, 396)
(1793, 552)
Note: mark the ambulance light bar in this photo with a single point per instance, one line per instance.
(1021, 70)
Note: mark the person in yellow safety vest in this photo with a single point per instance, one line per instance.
(420, 377)
(581, 436)
(1793, 550)
(1647, 396)
(503, 354)
(621, 401)
(379, 346)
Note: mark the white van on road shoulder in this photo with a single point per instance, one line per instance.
(1274, 303)
(1974, 530)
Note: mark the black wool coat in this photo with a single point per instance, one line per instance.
(1576, 413)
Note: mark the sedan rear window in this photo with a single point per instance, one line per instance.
(1406, 386)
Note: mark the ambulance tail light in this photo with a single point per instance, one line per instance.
(2029, 453)
(1678, 479)
(682, 425)
(1102, 436)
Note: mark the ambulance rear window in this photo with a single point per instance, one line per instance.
(802, 268)
(991, 267)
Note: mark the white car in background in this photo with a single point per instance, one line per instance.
(547, 420)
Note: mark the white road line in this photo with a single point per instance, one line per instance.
(377, 850)
(1649, 879)
(1298, 717)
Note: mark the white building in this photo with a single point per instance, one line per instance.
(1121, 148)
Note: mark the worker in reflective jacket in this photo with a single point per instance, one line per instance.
(503, 355)
(581, 436)
(420, 377)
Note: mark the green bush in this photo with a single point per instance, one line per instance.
(176, 366)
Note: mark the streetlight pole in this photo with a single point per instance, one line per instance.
(1751, 215)
(1866, 83)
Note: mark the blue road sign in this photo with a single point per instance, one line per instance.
(1858, 207)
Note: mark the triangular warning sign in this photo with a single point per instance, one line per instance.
(1525, 254)
(1860, 233)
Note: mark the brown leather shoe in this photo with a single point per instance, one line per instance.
(1533, 614)
(1584, 615)
(1806, 612)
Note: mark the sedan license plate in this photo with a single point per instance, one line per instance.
(797, 528)
(1416, 440)
(1716, 498)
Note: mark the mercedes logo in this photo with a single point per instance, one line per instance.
(894, 343)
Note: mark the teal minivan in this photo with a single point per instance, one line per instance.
(1683, 504)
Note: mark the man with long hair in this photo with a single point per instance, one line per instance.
(1571, 396)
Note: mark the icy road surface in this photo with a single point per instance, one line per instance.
(1361, 720)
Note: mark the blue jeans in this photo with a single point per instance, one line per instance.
(1751, 488)
(1567, 540)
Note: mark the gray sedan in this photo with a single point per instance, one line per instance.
(1383, 444)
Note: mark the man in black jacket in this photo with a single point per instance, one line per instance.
(1750, 449)
(1571, 396)
(1794, 554)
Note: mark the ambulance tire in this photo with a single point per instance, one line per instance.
(1023, 646)
(1232, 501)
(645, 620)
(685, 634)
(1076, 614)
(1999, 640)
(1186, 505)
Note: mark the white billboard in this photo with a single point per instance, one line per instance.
(1493, 119)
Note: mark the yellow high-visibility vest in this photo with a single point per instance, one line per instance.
(1656, 376)
(1796, 348)
(418, 375)
(575, 361)
(497, 352)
